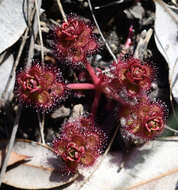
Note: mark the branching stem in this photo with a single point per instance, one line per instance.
(81, 86)
(92, 73)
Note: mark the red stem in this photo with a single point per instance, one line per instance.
(81, 86)
(114, 96)
(128, 43)
(129, 38)
(92, 73)
(119, 100)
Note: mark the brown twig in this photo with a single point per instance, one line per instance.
(39, 30)
(109, 4)
(46, 50)
(41, 121)
(2, 57)
(24, 39)
(170, 129)
(153, 179)
(11, 143)
(41, 124)
(104, 40)
(103, 157)
(15, 127)
(62, 10)
(33, 38)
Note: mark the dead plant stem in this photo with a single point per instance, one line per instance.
(170, 129)
(33, 38)
(104, 40)
(39, 30)
(11, 143)
(62, 10)
(2, 56)
(104, 155)
(153, 179)
(41, 125)
(41, 121)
